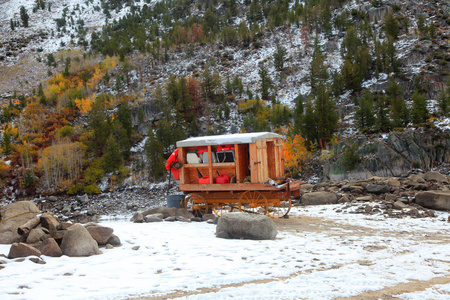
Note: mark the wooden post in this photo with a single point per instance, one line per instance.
(30, 224)
(181, 156)
(210, 165)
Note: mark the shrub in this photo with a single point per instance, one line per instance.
(92, 189)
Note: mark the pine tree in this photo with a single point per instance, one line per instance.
(112, 159)
(66, 72)
(6, 144)
(279, 57)
(51, 60)
(383, 123)
(309, 123)
(399, 110)
(364, 114)
(24, 16)
(391, 26)
(154, 151)
(420, 111)
(99, 123)
(326, 114)
(298, 114)
(11, 24)
(318, 74)
(266, 82)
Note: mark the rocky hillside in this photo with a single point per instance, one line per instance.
(361, 81)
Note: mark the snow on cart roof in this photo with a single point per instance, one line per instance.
(238, 138)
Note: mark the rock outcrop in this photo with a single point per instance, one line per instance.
(391, 155)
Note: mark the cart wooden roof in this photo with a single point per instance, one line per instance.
(238, 138)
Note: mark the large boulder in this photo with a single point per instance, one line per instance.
(378, 189)
(246, 226)
(439, 200)
(49, 247)
(13, 216)
(317, 198)
(100, 233)
(433, 176)
(78, 242)
(22, 250)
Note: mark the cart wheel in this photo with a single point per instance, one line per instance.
(224, 208)
(281, 209)
(253, 202)
(196, 204)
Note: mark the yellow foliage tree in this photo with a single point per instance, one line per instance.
(61, 164)
(295, 154)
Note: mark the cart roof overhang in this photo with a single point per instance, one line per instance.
(227, 139)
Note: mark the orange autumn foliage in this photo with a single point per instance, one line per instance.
(84, 104)
(295, 154)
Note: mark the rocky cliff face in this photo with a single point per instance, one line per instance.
(394, 154)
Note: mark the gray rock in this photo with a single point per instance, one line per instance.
(378, 189)
(439, 200)
(356, 189)
(22, 250)
(114, 240)
(53, 198)
(393, 182)
(367, 198)
(207, 217)
(246, 226)
(83, 199)
(14, 215)
(306, 187)
(433, 176)
(152, 219)
(137, 218)
(318, 198)
(67, 209)
(37, 260)
(100, 233)
(36, 235)
(169, 212)
(78, 242)
(400, 205)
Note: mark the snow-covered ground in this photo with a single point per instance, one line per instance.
(342, 255)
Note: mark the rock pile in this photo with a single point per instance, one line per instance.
(33, 233)
(417, 194)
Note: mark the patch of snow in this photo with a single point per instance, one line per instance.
(187, 257)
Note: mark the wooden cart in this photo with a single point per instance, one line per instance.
(254, 164)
